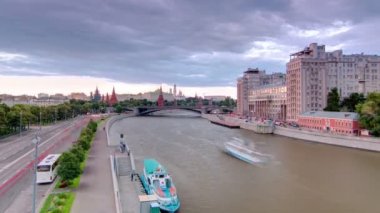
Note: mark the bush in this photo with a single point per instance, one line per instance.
(69, 167)
(92, 125)
(78, 151)
(62, 196)
(86, 145)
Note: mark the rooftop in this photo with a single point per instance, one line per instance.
(151, 165)
(339, 115)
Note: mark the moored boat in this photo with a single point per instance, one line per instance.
(158, 182)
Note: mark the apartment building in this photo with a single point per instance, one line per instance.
(313, 72)
(268, 101)
(249, 81)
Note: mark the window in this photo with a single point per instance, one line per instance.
(43, 168)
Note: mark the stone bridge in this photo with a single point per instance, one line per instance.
(151, 109)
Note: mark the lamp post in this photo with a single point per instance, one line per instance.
(55, 115)
(20, 122)
(35, 141)
(40, 119)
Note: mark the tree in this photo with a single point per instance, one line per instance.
(369, 112)
(69, 167)
(333, 101)
(78, 151)
(350, 102)
(118, 108)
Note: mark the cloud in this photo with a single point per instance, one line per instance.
(191, 43)
(269, 50)
(8, 57)
(19, 84)
(336, 28)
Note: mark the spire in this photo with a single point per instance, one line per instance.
(107, 99)
(160, 100)
(97, 96)
(113, 99)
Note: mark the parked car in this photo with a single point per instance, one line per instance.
(294, 124)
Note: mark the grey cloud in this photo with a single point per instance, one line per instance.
(151, 41)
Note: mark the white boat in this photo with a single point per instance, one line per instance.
(243, 152)
(158, 182)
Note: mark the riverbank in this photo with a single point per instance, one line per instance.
(366, 143)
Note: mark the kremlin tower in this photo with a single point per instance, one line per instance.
(110, 101)
(97, 96)
(113, 99)
(160, 100)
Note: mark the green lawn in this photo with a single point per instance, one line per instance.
(58, 203)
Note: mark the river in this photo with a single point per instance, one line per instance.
(301, 177)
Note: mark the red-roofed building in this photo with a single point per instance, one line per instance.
(343, 123)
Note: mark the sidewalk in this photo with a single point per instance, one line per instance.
(95, 192)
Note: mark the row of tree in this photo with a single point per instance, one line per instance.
(70, 161)
(188, 102)
(368, 108)
(22, 116)
(348, 104)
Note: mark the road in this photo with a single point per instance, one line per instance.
(16, 162)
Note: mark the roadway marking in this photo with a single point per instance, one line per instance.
(32, 150)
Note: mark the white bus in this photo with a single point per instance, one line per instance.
(47, 169)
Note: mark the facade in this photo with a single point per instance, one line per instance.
(31, 100)
(78, 96)
(216, 98)
(313, 72)
(343, 123)
(249, 81)
(268, 101)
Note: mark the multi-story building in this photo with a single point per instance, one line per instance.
(249, 81)
(78, 96)
(268, 101)
(313, 72)
(344, 123)
(216, 98)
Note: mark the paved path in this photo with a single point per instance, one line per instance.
(95, 192)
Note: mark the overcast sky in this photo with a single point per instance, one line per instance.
(195, 43)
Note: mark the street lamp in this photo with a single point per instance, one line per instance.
(35, 141)
(20, 122)
(55, 115)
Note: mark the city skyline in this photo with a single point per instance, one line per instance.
(144, 44)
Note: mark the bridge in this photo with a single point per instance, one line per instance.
(150, 109)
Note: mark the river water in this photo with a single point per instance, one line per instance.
(301, 176)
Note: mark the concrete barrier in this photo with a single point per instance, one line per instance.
(115, 185)
(109, 124)
(372, 144)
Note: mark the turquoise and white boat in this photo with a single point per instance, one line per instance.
(243, 152)
(158, 182)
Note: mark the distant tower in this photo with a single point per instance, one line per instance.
(97, 96)
(160, 100)
(102, 98)
(199, 102)
(108, 99)
(91, 96)
(113, 99)
(171, 91)
(175, 90)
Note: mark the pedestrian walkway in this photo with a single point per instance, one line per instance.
(95, 192)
